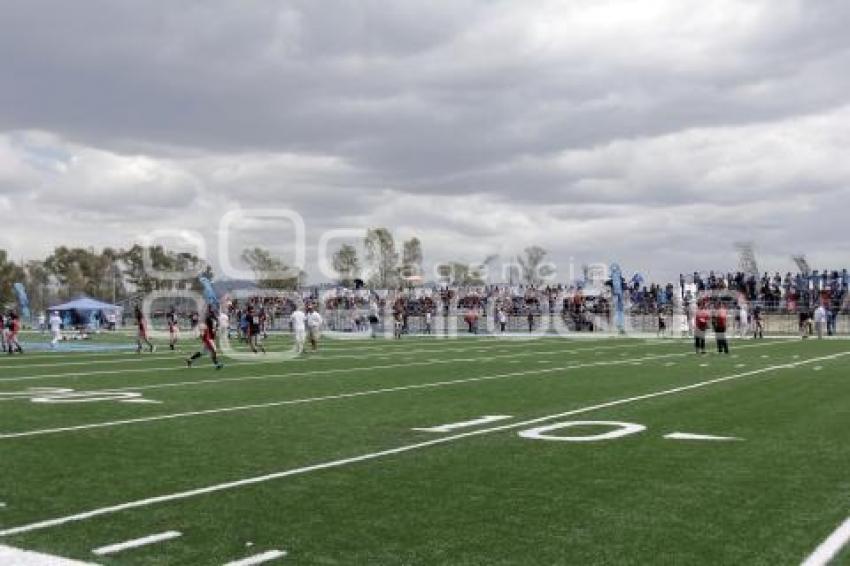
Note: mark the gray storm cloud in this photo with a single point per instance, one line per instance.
(654, 133)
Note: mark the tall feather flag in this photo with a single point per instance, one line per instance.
(209, 292)
(23, 300)
(617, 291)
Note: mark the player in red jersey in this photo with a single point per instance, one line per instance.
(701, 327)
(142, 336)
(208, 339)
(3, 332)
(14, 326)
(720, 322)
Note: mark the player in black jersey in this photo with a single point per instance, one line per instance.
(171, 320)
(254, 331)
(758, 323)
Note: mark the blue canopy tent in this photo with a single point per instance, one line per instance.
(86, 312)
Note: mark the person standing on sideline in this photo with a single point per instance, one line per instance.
(14, 326)
(744, 324)
(691, 310)
(373, 318)
(805, 323)
(428, 322)
(142, 332)
(299, 329)
(254, 341)
(224, 324)
(314, 327)
(720, 321)
(701, 319)
(55, 328)
(662, 326)
(2, 332)
(820, 320)
(398, 325)
(758, 324)
(171, 320)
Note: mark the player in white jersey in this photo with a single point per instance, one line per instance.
(55, 328)
(223, 324)
(744, 323)
(314, 327)
(299, 329)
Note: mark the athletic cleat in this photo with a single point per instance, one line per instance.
(219, 366)
(188, 362)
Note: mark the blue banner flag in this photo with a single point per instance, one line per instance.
(209, 292)
(617, 292)
(23, 300)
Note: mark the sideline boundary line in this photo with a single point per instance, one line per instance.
(181, 366)
(427, 362)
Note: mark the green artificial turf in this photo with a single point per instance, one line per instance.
(476, 499)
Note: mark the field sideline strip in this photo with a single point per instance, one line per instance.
(329, 344)
(338, 396)
(180, 355)
(40, 525)
(181, 366)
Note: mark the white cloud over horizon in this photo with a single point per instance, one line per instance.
(655, 134)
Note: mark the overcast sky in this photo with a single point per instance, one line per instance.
(655, 133)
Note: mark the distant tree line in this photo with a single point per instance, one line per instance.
(118, 274)
(383, 267)
(108, 274)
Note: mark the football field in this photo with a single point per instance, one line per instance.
(473, 451)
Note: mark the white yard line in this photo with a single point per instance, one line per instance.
(30, 355)
(487, 419)
(17, 557)
(140, 503)
(136, 360)
(830, 548)
(136, 543)
(240, 408)
(258, 558)
(692, 436)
